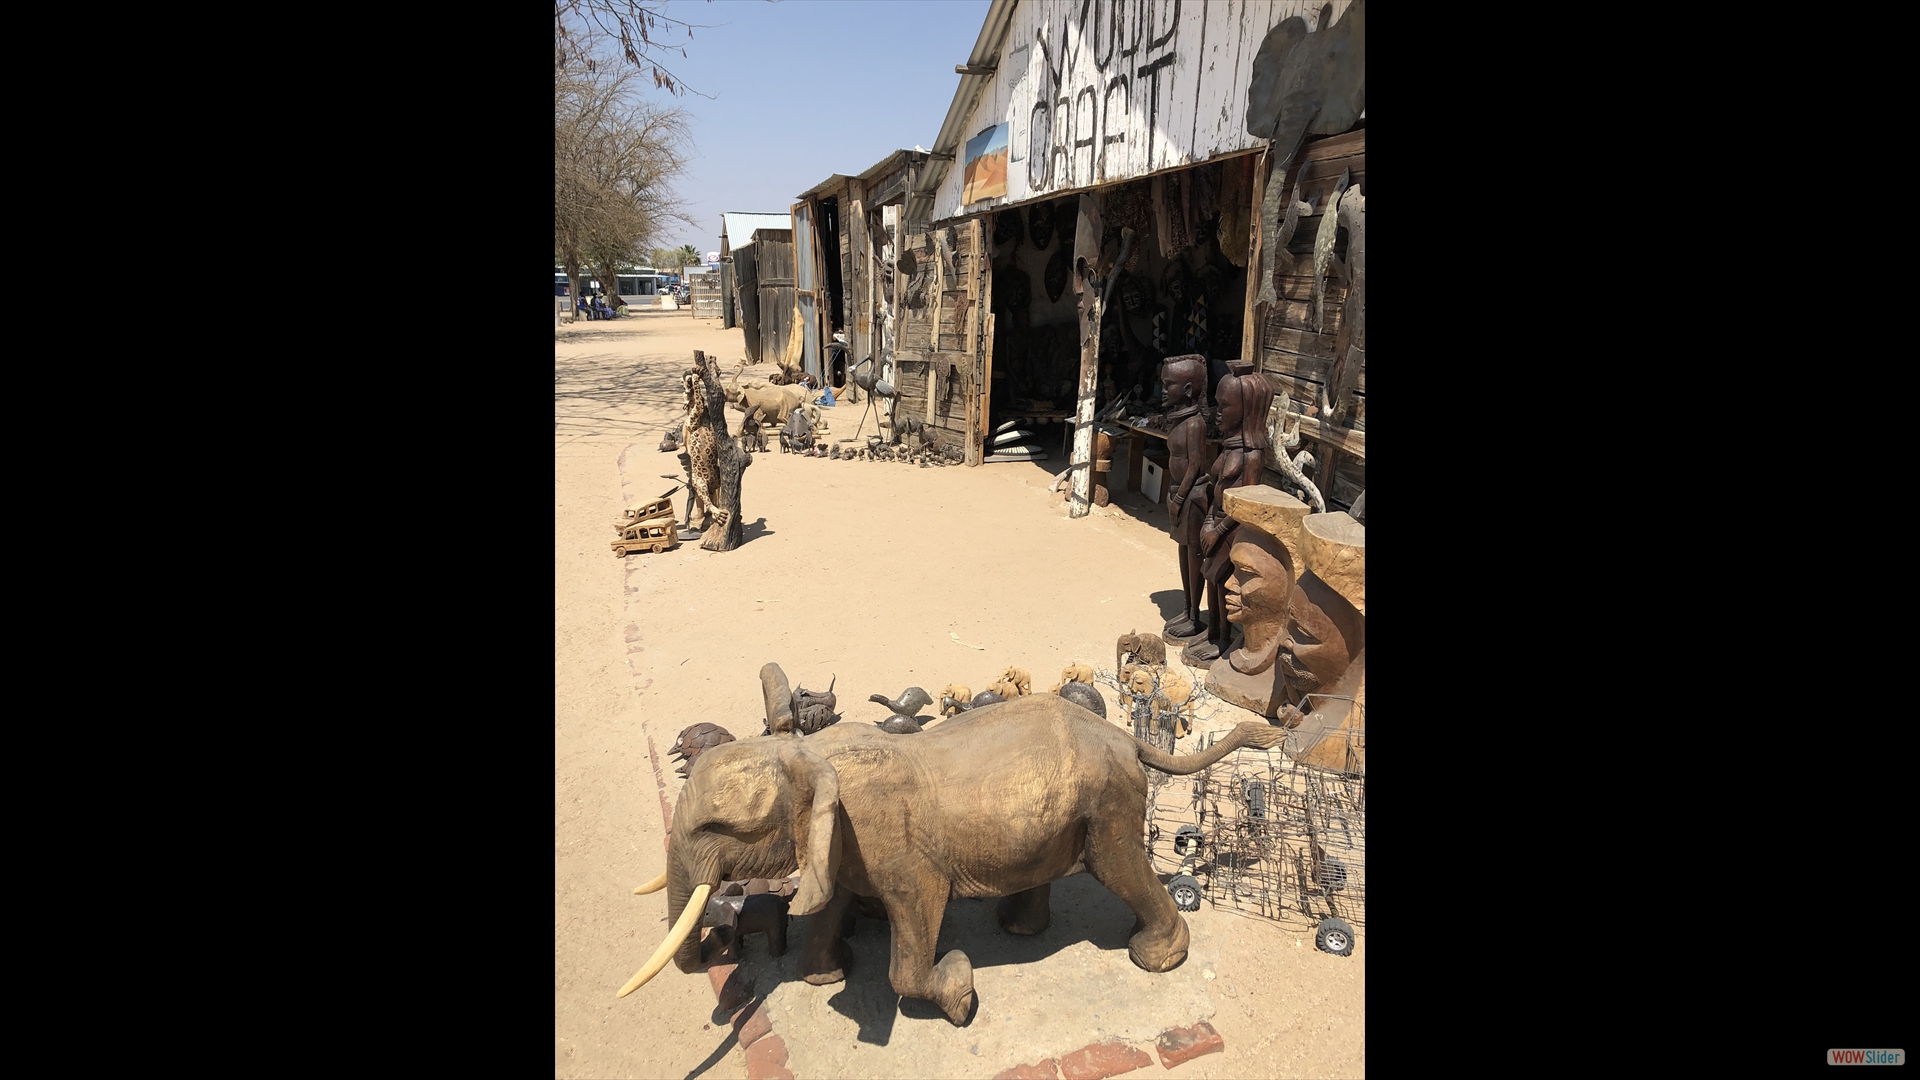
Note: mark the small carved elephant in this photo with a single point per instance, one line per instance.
(1014, 682)
(1075, 672)
(1143, 648)
(954, 699)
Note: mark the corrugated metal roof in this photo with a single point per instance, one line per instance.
(738, 228)
(832, 181)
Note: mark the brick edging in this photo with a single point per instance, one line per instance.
(1095, 1061)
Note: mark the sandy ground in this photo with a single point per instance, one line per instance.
(863, 573)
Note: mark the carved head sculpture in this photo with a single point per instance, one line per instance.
(696, 395)
(1183, 380)
(1176, 282)
(1136, 292)
(1323, 633)
(1245, 398)
(1256, 598)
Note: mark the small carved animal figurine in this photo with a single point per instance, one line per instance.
(693, 740)
(1084, 695)
(1141, 648)
(1014, 682)
(813, 710)
(985, 697)
(670, 442)
(1172, 695)
(955, 699)
(1075, 672)
(912, 700)
(759, 913)
(752, 436)
(899, 725)
(796, 436)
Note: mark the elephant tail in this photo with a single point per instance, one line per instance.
(1251, 733)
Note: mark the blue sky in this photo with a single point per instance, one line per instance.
(803, 89)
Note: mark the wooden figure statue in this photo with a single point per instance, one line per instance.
(1184, 386)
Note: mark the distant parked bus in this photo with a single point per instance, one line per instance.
(639, 288)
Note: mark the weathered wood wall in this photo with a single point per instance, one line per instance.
(773, 262)
(746, 285)
(940, 329)
(1105, 90)
(1292, 355)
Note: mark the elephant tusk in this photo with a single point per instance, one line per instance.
(652, 886)
(696, 906)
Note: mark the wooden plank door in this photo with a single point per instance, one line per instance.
(806, 290)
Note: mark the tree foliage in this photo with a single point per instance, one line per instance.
(616, 157)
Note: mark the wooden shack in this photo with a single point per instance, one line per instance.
(738, 258)
(1142, 105)
(904, 300)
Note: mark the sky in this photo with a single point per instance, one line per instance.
(803, 89)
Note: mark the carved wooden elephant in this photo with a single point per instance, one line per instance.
(859, 813)
(1143, 648)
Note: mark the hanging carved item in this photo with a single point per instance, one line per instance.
(1275, 258)
(1128, 206)
(1058, 268)
(1007, 228)
(1040, 225)
(1323, 252)
(1348, 352)
(1308, 84)
(1012, 291)
(1065, 221)
(1236, 191)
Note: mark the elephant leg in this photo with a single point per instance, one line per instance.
(916, 930)
(1026, 913)
(1116, 859)
(823, 955)
(777, 934)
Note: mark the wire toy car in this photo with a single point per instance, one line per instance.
(1269, 833)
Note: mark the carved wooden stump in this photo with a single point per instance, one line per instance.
(1102, 462)
(730, 461)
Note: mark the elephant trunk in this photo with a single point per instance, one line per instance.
(680, 889)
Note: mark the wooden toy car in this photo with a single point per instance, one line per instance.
(656, 536)
(649, 525)
(647, 511)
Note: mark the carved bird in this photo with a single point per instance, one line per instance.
(899, 725)
(695, 739)
(912, 700)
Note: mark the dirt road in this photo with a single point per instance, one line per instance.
(863, 574)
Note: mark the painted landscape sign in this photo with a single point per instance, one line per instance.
(986, 173)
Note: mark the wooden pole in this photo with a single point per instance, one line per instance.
(1083, 413)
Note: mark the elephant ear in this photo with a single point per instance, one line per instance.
(816, 839)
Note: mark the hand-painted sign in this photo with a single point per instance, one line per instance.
(1096, 91)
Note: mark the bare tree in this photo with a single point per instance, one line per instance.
(645, 34)
(615, 159)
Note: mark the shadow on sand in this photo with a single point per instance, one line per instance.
(1083, 910)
